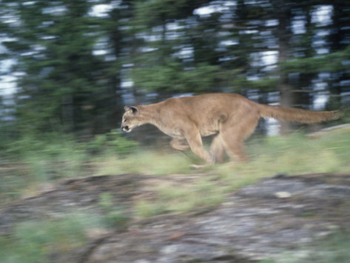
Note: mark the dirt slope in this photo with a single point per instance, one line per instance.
(263, 221)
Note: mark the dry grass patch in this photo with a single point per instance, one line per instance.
(144, 162)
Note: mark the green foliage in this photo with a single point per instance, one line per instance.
(61, 85)
(333, 249)
(55, 146)
(240, 84)
(112, 142)
(114, 216)
(146, 209)
(34, 242)
(171, 77)
(38, 161)
(152, 13)
(71, 64)
(51, 144)
(50, 157)
(333, 62)
(11, 184)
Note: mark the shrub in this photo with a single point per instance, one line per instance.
(112, 142)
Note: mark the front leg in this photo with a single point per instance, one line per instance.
(194, 140)
(179, 144)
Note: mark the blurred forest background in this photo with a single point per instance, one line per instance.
(70, 66)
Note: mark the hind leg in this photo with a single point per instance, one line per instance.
(217, 149)
(234, 133)
(235, 149)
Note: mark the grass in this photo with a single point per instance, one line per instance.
(272, 155)
(331, 249)
(115, 217)
(294, 154)
(34, 242)
(35, 167)
(175, 198)
(143, 162)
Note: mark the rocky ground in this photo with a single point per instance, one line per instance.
(272, 218)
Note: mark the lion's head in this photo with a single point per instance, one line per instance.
(130, 119)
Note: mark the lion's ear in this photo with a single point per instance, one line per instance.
(130, 108)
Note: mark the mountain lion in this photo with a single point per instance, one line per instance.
(231, 117)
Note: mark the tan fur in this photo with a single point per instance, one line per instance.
(231, 117)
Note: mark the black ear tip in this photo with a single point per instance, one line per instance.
(133, 109)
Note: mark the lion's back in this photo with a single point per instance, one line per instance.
(206, 111)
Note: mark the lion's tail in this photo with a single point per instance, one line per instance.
(297, 115)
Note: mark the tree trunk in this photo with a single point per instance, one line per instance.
(283, 13)
(68, 113)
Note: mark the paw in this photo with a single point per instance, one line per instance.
(198, 166)
(212, 159)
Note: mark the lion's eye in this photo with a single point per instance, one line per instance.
(124, 120)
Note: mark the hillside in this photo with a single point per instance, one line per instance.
(278, 217)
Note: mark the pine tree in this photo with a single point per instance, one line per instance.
(59, 78)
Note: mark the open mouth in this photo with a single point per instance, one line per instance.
(126, 129)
